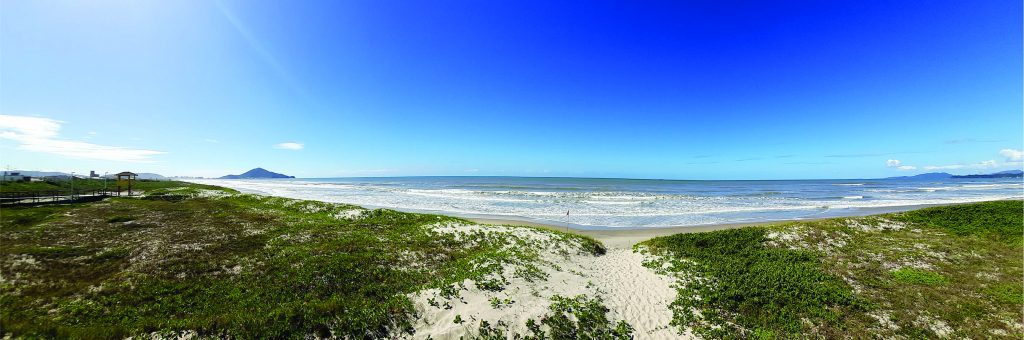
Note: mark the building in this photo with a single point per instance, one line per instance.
(9, 176)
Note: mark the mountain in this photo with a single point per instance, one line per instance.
(927, 176)
(257, 173)
(1001, 174)
(148, 175)
(40, 174)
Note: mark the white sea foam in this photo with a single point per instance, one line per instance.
(622, 205)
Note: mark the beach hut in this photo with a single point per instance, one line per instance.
(125, 179)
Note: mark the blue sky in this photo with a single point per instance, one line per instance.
(689, 90)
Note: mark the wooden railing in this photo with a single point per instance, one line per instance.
(53, 196)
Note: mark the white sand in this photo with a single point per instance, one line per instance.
(629, 290)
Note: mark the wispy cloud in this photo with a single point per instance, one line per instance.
(972, 140)
(289, 146)
(980, 165)
(808, 163)
(211, 140)
(1012, 155)
(859, 155)
(39, 134)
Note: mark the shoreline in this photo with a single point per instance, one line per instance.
(626, 237)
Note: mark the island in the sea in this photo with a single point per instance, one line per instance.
(257, 173)
(944, 175)
(1001, 174)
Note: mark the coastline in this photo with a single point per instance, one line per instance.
(628, 208)
(367, 247)
(626, 237)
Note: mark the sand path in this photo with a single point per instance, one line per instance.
(633, 292)
(630, 291)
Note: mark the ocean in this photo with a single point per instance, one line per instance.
(598, 203)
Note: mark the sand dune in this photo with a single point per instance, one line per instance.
(629, 290)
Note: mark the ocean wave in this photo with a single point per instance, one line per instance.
(646, 206)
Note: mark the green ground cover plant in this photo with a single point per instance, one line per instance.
(749, 288)
(918, 276)
(243, 266)
(942, 272)
(999, 220)
(568, 318)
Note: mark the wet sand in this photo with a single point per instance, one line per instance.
(627, 237)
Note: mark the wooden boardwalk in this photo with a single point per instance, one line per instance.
(17, 198)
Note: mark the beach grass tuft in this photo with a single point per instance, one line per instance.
(918, 276)
(578, 317)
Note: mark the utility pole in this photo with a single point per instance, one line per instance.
(72, 185)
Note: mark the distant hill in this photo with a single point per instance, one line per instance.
(39, 174)
(257, 173)
(1001, 174)
(930, 175)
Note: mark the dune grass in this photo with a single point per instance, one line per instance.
(951, 271)
(241, 266)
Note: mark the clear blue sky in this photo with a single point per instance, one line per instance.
(674, 89)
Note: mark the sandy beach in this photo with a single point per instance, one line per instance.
(625, 238)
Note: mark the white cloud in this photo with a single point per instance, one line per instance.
(943, 167)
(989, 164)
(289, 146)
(1012, 155)
(39, 134)
(895, 163)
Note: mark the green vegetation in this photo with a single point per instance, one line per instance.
(745, 284)
(918, 276)
(951, 271)
(1009, 293)
(1000, 220)
(241, 266)
(578, 317)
